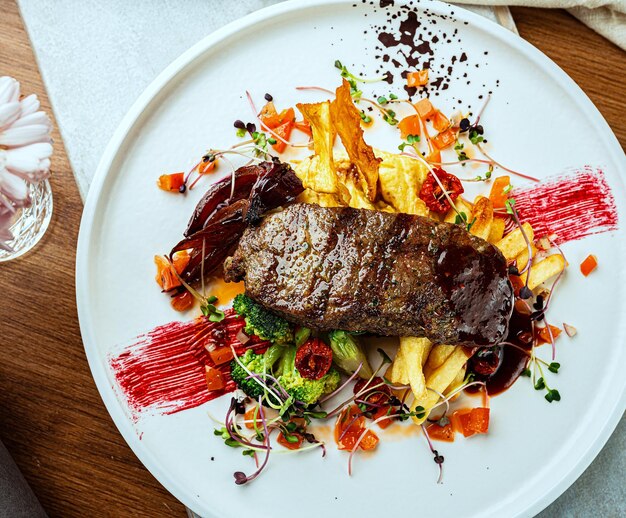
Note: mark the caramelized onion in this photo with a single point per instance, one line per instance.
(219, 221)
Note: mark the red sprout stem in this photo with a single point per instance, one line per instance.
(318, 88)
(434, 452)
(266, 442)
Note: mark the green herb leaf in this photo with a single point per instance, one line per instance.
(510, 205)
(317, 415)
(241, 132)
(461, 218)
(271, 141)
(470, 225)
(393, 97)
(232, 443)
(210, 311)
(526, 372)
(554, 367)
(475, 138)
(540, 384)
(291, 438)
(553, 395)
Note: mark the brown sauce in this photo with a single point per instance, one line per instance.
(506, 362)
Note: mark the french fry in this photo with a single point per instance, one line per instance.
(440, 380)
(406, 368)
(415, 350)
(438, 355)
(544, 270)
(456, 383)
(522, 259)
(461, 206)
(513, 244)
(347, 122)
(497, 230)
(319, 173)
(482, 217)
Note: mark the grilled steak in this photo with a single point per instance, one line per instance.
(388, 274)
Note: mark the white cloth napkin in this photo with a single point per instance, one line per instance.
(606, 17)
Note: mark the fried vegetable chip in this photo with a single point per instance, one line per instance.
(347, 122)
(319, 173)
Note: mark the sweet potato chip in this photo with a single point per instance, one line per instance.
(320, 175)
(347, 122)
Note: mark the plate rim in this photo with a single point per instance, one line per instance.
(144, 102)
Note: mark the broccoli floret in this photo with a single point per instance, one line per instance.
(257, 364)
(348, 353)
(302, 389)
(261, 322)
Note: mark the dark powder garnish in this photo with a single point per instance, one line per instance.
(409, 40)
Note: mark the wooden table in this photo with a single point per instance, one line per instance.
(51, 417)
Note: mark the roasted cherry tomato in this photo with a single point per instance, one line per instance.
(432, 194)
(313, 359)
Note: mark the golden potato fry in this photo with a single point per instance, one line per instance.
(408, 363)
(461, 206)
(347, 122)
(400, 179)
(438, 355)
(481, 218)
(522, 259)
(414, 352)
(320, 174)
(456, 383)
(544, 270)
(497, 230)
(514, 244)
(439, 380)
(396, 373)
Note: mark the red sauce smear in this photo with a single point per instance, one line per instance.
(164, 370)
(571, 206)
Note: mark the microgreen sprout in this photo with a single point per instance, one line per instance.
(365, 118)
(411, 140)
(460, 153)
(353, 80)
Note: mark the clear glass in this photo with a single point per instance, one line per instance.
(30, 224)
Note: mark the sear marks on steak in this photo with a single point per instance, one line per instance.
(387, 274)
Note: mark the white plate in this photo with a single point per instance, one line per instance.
(538, 119)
